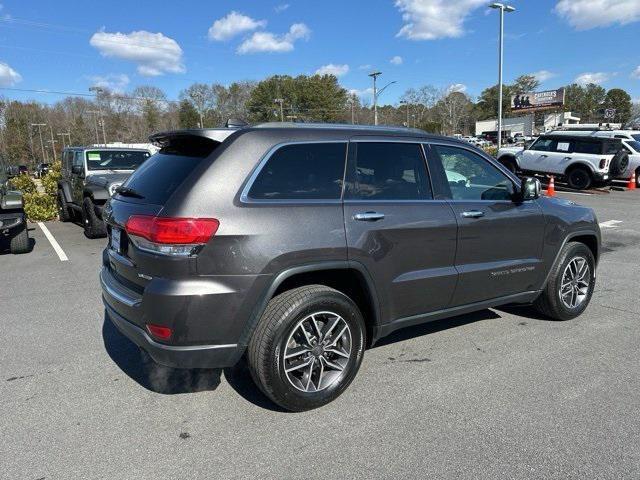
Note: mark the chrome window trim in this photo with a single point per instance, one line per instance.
(244, 195)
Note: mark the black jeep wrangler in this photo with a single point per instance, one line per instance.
(90, 176)
(13, 223)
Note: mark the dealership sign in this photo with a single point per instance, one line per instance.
(538, 100)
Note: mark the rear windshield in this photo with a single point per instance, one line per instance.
(115, 159)
(157, 179)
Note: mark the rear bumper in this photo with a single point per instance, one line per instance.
(129, 312)
(193, 356)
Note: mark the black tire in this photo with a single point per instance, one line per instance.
(19, 242)
(579, 178)
(550, 303)
(638, 177)
(619, 163)
(94, 227)
(63, 209)
(510, 164)
(276, 330)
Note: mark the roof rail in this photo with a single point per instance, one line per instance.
(338, 126)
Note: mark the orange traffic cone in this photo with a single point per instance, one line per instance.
(551, 188)
(632, 182)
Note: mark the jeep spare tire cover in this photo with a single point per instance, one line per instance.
(619, 163)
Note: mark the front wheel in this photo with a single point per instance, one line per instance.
(570, 285)
(307, 347)
(94, 227)
(19, 242)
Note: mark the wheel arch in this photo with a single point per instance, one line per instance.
(97, 194)
(349, 277)
(580, 164)
(66, 190)
(586, 237)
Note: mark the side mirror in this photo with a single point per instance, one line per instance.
(530, 188)
(76, 169)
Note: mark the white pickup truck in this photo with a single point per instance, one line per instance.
(576, 157)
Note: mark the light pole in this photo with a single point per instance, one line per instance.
(53, 144)
(377, 93)
(44, 155)
(280, 101)
(406, 104)
(503, 8)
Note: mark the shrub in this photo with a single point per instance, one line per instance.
(24, 183)
(492, 150)
(40, 206)
(50, 180)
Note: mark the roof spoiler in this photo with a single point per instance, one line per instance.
(165, 139)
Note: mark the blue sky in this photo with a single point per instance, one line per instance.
(71, 45)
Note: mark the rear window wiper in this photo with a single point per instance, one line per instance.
(128, 192)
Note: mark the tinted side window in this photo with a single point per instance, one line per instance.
(78, 159)
(471, 177)
(544, 145)
(389, 171)
(612, 147)
(585, 146)
(302, 171)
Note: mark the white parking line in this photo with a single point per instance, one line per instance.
(610, 224)
(54, 243)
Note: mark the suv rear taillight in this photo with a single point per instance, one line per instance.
(170, 236)
(604, 163)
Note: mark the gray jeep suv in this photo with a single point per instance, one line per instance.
(302, 244)
(89, 176)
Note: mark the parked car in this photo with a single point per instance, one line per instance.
(13, 222)
(301, 244)
(23, 170)
(89, 177)
(42, 169)
(579, 160)
(630, 140)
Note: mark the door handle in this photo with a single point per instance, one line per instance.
(544, 156)
(473, 214)
(368, 216)
(567, 158)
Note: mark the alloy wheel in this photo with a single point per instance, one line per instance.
(317, 351)
(576, 280)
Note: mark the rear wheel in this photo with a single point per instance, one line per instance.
(63, 208)
(19, 242)
(509, 164)
(571, 283)
(579, 178)
(307, 347)
(638, 177)
(94, 227)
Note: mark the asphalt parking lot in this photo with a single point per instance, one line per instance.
(496, 394)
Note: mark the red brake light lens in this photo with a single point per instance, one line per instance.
(159, 332)
(174, 231)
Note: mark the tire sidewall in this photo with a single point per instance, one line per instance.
(573, 251)
(587, 183)
(326, 301)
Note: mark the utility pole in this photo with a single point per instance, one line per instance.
(44, 154)
(65, 134)
(280, 101)
(375, 75)
(53, 144)
(503, 8)
(406, 104)
(100, 91)
(95, 117)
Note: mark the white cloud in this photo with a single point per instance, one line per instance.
(233, 24)
(8, 76)
(333, 69)
(636, 73)
(270, 42)
(115, 82)
(361, 93)
(432, 19)
(397, 60)
(543, 75)
(281, 8)
(586, 14)
(457, 87)
(154, 53)
(592, 77)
